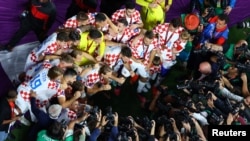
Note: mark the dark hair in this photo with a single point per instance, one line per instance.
(126, 51)
(100, 17)
(156, 61)
(54, 72)
(66, 58)
(74, 35)
(77, 86)
(105, 69)
(149, 34)
(62, 36)
(175, 22)
(70, 72)
(55, 131)
(94, 34)
(75, 52)
(130, 5)
(223, 17)
(11, 94)
(82, 16)
(123, 21)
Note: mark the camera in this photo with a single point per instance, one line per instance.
(93, 113)
(215, 119)
(80, 125)
(243, 47)
(243, 67)
(203, 49)
(165, 121)
(109, 114)
(211, 13)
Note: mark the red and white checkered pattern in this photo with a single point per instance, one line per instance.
(166, 54)
(179, 45)
(126, 35)
(72, 115)
(162, 31)
(52, 48)
(121, 13)
(110, 59)
(42, 85)
(71, 22)
(91, 17)
(155, 69)
(41, 104)
(141, 51)
(46, 64)
(36, 52)
(92, 77)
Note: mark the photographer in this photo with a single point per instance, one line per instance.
(192, 111)
(70, 133)
(101, 122)
(191, 130)
(169, 131)
(114, 131)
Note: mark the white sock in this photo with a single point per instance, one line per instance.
(141, 85)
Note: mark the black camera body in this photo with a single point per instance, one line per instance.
(243, 67)
(80, 125)
(214, 119)
(93, 112)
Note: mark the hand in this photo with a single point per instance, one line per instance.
(33, 94)
(98, 58)
(115, 119)
(167, 7)
(15, 118)
(162, 131)
(106, 87)
(153, 123)
(133, 26)
(230, 119)
(187, 126)
(121, 80)
(243, 77)
(228, 10)
(77, 94)
(104, 121)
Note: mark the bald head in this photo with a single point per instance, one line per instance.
(205, 68)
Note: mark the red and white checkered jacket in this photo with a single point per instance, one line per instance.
(43, 86)
(141, 51)
(72, 115)
(163, 30)
(125, 36)
(121, 13)
(92, 77)
(46, 64)
(71, 22)
(179, 45)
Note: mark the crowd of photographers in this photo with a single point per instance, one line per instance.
(214, 92)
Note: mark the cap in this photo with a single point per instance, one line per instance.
(54, 111)
(191, 21)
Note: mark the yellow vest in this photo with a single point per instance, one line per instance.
(90, 46)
